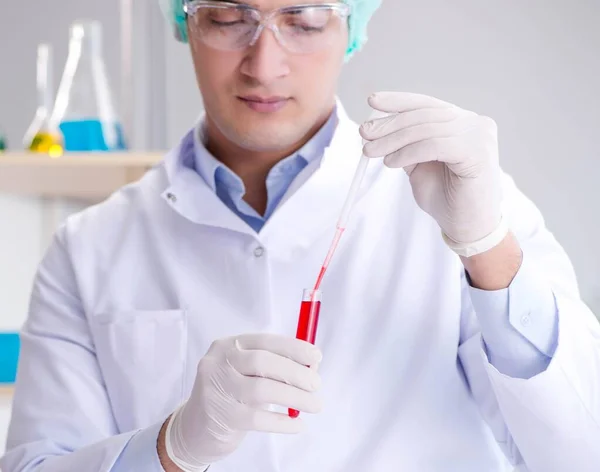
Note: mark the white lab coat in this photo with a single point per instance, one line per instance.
(134, 290)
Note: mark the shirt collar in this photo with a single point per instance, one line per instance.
(207, 165)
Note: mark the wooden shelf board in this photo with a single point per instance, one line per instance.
(85, 176)
(126, 159)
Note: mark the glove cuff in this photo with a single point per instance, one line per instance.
(173, 441)
(483, 245)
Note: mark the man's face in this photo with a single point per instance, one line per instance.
(263, 97)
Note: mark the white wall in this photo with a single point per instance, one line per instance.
(533, 66)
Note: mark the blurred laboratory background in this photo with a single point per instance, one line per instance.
(532, 66)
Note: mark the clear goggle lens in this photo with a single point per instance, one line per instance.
(300, 29)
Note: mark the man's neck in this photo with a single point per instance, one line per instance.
(252, 167)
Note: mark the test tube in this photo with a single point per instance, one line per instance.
(308, 322)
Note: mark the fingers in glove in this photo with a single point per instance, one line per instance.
(380, 127)
(257, 391)
(446, 150)
(400, 102)
(299, 351)
(396, 141)
(275, 367)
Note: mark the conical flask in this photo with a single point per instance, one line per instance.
(40, 137)
(84, 110)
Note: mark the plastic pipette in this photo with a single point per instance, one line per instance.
(345, 215)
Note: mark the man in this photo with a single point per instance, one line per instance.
(162, 323)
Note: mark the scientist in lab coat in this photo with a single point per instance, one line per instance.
(161, 333)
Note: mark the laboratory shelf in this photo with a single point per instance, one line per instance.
(82, 176)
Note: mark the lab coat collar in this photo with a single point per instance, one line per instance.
(311, 204)
(189, 195)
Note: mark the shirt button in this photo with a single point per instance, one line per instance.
(525, 320)
(259, 251)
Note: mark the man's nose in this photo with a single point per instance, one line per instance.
(266, 60)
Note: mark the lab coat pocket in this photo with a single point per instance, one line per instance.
(142, 356)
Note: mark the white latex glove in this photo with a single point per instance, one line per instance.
(451, 157)
(235, 382)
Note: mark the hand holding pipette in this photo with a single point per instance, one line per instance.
(451, 158)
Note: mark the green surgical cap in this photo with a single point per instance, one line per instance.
(362, 11)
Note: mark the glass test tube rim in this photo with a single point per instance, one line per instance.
(309, 293)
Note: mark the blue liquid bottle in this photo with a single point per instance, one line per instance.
(92, 135)
(84, 111)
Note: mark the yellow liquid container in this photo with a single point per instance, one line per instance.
(47, 143)
(40, 138)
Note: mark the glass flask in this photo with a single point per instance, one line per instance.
(40, 137)
(84, 110)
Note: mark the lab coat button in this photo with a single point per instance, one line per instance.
(525, 320)
(259, 251)
(172, 197)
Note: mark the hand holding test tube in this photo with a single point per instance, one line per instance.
(236, 378)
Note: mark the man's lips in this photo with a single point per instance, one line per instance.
(264, 104)
(258, 98)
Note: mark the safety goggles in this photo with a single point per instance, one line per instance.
(301, 29)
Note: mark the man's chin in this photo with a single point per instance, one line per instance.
(267, 138)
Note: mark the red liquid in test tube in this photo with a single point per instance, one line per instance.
(308, 321)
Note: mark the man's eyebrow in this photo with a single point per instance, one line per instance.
(238, 2)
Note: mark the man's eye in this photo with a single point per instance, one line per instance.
(226, 23)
